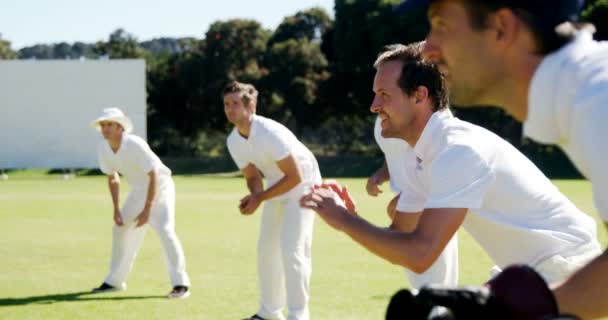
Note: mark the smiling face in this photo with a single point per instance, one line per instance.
(464, 55)
(393, 106)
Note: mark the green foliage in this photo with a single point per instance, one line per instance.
(120, 45)
(314, 74)
(5, 50)
(596, 12)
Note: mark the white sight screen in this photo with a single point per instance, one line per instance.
(46, 107)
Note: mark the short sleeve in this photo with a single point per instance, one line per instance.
(103, 164)
(410, 201)
(237, 156)
(277, 145)
(460, 178)
(589, 132)
(144, 156)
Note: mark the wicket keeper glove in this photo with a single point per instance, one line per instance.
(518, 292)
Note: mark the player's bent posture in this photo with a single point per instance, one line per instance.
(460, 174)
(444, 271)
(151, 201)
(258, 144)
(533, 60)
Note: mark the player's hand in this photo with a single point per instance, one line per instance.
(142, 218)
(117, 218)
(373, 185)
(250, 203)
(344, 196)
(327, 204)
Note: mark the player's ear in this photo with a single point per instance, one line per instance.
(421, 94)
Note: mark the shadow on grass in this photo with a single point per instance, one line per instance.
(68, 297)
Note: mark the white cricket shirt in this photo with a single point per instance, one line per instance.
(133, 160)
(568, 106)
(269, 142)
(515, 213)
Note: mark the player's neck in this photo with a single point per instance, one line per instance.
(244, 126)
(115, 143)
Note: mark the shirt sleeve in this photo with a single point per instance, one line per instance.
(460, 178)
(144, 156)
(589, 133)
(278, 145)
(410, 201)
(103, 164)
(236, 156)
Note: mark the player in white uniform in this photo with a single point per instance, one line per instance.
(444, 270)
(533, 60)
(460, 174)
(151, 201)
(259, 144)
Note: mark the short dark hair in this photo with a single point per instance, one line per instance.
(416, 72)
(247, 91)
(547, 38)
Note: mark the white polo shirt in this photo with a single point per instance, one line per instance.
(515, 213)
(269, 142)
(568, 106)
(397, 154)
(133, 160)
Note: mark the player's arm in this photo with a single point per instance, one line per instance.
(255, 185)
(144, 216)
(253, 179)
(379, 177)
(583, 294)
(114, 186)
(291, 178)
(416, 250)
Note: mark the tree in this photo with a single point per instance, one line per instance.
(596, 12)
(309, 24)
(296, 68)
(5, 50)
(121, 45)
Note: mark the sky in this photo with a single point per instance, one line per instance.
(28, 22)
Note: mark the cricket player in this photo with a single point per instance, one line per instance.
(151, 201)
(259, 145)
(460, 174)
(444, 270)
(534, 60)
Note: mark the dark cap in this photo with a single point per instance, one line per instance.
(545, 13)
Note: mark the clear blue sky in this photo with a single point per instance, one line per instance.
(29, 22)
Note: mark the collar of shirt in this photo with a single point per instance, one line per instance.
(427, 145)
(553, 90)
(122, 144)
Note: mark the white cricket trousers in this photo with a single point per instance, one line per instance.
(127, 239)
(284, 259)
(444, 271)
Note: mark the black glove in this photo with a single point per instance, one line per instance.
(404, 305)
(516, 293)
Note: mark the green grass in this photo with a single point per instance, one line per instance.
(55, 245)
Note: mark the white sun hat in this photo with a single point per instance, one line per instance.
(115, 115)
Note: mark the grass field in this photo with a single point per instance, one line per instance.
(55, 240)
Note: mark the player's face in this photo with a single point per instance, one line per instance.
(463, 55)
(235, 108)
(110, 130)
(391, 104)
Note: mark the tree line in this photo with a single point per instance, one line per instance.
(314, 74)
